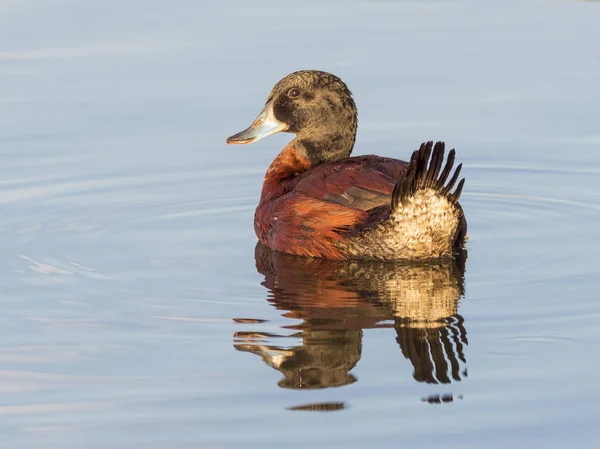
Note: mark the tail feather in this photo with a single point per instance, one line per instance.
(436, 162)
(419, 176)
(448, 167)
(450, 185)
(458, 191)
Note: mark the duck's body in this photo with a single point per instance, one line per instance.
(317, 201)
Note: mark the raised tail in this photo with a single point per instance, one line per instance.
(425, 207)
(425, 220)
(420, 177)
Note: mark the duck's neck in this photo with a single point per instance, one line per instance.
(332, 148)
(287, 165)
(328, 141)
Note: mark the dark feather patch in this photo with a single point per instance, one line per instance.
(419, 176)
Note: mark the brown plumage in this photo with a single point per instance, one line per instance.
(317, 201)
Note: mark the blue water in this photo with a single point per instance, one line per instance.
(137, 311)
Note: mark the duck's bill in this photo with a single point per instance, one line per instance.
(265, 125)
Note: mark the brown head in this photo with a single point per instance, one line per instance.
(315, 106)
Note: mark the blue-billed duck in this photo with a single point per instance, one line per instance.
(318, 201)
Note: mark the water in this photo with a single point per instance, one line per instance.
(137, 310)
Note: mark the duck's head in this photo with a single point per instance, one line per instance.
(317, 107)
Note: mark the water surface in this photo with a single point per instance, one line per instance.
(137, 309)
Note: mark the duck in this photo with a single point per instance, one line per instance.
(319, 201)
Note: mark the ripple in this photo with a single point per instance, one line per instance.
(43, 268)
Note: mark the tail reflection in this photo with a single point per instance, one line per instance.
(336, 300)
(434, 352)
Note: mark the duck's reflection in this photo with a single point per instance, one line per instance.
(336, 300)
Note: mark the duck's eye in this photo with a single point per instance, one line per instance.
(294, 92)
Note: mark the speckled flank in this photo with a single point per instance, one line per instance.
(422, 227)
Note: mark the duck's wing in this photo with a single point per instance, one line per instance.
(363, 183)
(327, 202)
